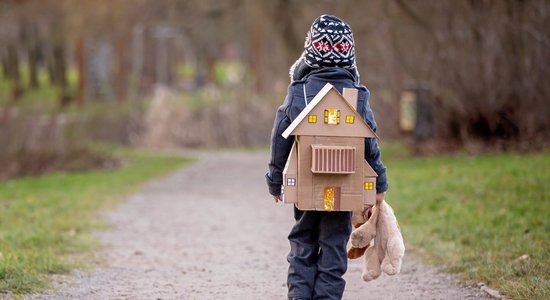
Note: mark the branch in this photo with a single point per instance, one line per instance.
(415, 18)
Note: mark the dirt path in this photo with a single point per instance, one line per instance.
(211, 231)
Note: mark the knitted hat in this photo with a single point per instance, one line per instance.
(329, 43)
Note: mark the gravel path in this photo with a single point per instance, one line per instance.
(211, 231)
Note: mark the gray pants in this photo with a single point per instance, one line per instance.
(318, 257)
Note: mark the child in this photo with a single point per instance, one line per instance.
(318, 240)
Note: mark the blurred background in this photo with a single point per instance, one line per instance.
(459, 89)
(444, 75)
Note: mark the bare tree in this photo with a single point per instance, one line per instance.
(484, 65)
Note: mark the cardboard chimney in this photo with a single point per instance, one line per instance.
(326, 169)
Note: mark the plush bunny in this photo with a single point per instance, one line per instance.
(388, 250)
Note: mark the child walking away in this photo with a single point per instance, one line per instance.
(317, 257)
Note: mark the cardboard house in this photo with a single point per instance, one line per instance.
(326, 169)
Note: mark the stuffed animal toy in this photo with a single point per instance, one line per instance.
(366, 218)
(388, 250)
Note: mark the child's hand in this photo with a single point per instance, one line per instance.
(277, 198)
(380, 197)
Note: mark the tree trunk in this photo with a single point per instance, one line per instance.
(210, 68)
(292, 40)
(33, 67)
(81, 69)
(14, 74)
(5, 65)
(138, 48)
(255, 44)
(120, 70)
(50, 66)
(60, 70)
(33, 52)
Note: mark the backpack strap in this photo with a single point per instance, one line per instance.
(305, 95)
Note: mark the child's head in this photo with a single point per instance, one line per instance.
(329, 43)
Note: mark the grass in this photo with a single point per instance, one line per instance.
(42, 98)
(45, 222)
(45, 97)
(486, 218)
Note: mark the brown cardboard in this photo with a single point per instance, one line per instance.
(350, 94)
(290, 174)
(331, 99)
(369, 195)
(327, 158)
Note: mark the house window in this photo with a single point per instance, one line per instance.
(332, 116)
(291, 181)
(312, 118)
(350, 119)
(369, 186)
(328, 200)
(333, 159)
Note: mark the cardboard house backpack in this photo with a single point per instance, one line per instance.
(326, 169)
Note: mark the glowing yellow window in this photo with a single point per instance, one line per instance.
(332, 116)
(312, 118)
(329, 198)
(350, 119)
(369, 186)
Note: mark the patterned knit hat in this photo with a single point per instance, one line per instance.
(329, 43)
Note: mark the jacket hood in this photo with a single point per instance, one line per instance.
(332, 73)
(299, 70)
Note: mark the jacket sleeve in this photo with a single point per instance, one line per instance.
(372, 155)
(280, 148)
(372, 151)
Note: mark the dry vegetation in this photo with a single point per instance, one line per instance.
(41, 143)
(212, 119)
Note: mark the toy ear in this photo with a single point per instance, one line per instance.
(354, 253)
(362, 236)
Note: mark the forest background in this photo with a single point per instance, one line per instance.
(90, 70)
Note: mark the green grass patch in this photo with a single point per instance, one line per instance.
(42, 98)
(45, 222)
(487, 218)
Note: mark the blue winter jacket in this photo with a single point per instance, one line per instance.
(302, 91)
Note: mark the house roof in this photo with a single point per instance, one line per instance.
(359, 129)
